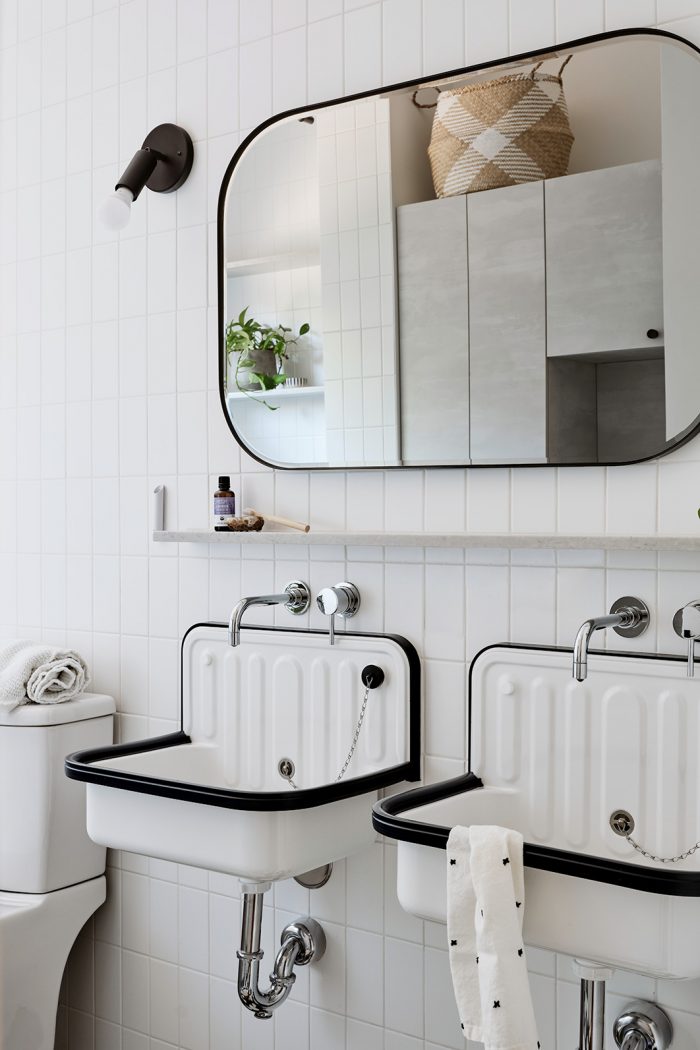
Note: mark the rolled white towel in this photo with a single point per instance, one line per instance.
(40, 674)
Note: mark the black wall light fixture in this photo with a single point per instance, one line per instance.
(162, 164)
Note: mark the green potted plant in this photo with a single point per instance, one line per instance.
(260, 350)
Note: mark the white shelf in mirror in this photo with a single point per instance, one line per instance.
(280, 393)
(270, 263)
(498, 540)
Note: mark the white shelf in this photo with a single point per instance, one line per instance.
(272, 263)
(280, 393)
(500, 540)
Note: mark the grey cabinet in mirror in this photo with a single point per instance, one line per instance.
(541, 308)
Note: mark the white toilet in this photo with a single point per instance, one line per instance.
(51, 874)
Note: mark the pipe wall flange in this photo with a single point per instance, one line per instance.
(299, 597)
(643, 1025)
(310, 936)
(317, 877)
(639, 619)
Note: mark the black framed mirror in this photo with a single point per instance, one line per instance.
(495, 265)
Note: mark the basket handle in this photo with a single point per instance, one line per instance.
(561, 68)
(425, 105)
(564, 65)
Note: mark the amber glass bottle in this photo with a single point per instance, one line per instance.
(224, 504)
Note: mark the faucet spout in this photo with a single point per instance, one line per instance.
(295, 597)
(628, 617)
(583, 639)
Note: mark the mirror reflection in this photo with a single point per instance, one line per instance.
(498, 268)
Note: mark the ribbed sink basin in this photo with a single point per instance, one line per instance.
(553, 759)
(212, 795)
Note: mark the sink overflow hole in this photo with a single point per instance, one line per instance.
(622, 822)
(286, 768)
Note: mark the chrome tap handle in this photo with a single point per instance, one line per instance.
(328, 603)
(332, 601)
(686, 624)
(342, 600)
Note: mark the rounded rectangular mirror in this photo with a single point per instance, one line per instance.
(498, 265)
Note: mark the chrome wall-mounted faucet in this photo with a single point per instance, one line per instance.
(342, 600)
(296, 597)
(628, 617)
(686, 624)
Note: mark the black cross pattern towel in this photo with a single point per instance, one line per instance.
(485, 906)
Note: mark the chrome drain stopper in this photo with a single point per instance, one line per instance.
(286, 768)
(622, 822)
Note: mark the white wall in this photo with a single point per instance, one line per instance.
(108, 384)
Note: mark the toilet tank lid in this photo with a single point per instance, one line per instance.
(87, 705)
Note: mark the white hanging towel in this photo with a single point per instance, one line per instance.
(40, 674)
(485, 905)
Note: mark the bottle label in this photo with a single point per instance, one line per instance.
(224, 507)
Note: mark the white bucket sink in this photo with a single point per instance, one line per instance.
(554, 758)
(212, 795)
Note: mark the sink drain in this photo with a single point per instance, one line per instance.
(622, 822)
(286, 768)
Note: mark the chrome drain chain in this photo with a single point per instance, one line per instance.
(356, 735)
(663, 860)
(622, 823)
(286, 768)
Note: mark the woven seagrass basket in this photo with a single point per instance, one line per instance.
(500, 133)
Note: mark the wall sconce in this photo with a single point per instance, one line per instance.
(162, 164)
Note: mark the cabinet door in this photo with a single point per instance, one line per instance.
(680, 150)
(507, 336)
(604, 260)
(434, 321)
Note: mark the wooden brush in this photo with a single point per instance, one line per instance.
(280, 521)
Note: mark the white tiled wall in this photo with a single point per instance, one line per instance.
(108, 385)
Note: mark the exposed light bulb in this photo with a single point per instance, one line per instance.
(115, 210)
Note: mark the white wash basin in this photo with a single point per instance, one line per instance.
(553, 759)
(211, 795)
